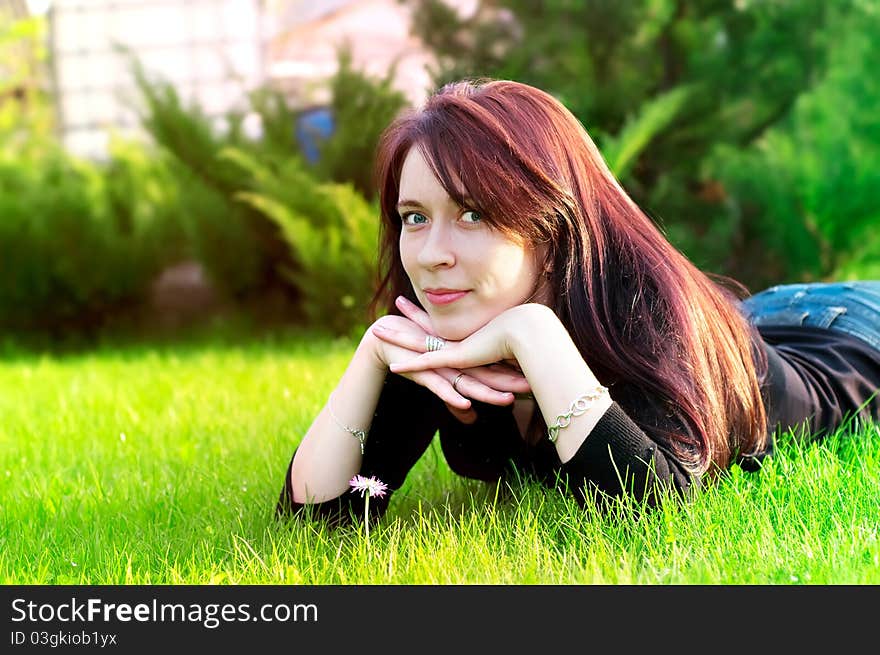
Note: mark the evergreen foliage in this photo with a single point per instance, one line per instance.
(330, 228)
(78, 239)
(808, 188)
(362, 107)
(261, 217)
(74, 242)
(241, 249)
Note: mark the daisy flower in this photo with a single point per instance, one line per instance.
(372, 486)
(369, 487)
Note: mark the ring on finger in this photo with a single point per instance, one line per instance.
(456, 380)
(433, 343)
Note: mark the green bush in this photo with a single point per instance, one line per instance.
(362, 107)
(331, 229)
(260, 216)
(143, 195)
(241, 250)
(807, 192)
(78, 240)
(75, 242)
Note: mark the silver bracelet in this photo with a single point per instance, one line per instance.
(578, 407)
(360, 435)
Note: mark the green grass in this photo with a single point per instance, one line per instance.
(161, 464)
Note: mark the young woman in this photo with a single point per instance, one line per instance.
(537, 318)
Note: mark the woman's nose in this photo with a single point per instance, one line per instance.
(437, 247)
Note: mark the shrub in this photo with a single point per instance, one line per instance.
(331, 229)
(74, 241)
(259, 216)
(78, 239)
(241, 249)
(362, 107)
(808, 190)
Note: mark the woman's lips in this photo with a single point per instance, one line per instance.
(444, 298)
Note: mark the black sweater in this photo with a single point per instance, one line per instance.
(816, 378)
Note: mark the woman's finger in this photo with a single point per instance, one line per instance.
(497, 377)
(400, 338)
(500, 379)
(415, 314)
(440, 383)
(442, 388)
(470, 387)
(431, 360)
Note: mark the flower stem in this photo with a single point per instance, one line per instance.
(367, 516)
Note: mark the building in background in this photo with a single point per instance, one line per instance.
(304, 51)
(212, 51)
(215, 51)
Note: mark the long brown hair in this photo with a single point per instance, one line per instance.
(638, 310)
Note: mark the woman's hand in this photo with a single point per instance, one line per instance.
(490, 344)
(400, 339)
(505, 367)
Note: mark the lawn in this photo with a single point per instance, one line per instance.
(162, 463)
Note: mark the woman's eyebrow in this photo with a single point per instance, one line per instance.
(415, 203)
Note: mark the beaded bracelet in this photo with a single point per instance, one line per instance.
(578, 407)
(360, 435)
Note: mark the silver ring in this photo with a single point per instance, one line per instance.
(455, 381)
(433, 343)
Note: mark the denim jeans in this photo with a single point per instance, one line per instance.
(851, 307)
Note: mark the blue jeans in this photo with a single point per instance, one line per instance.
(851, 307)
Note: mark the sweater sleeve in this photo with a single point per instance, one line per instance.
(618, 457)
(403, 426)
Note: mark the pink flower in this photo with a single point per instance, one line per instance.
(371, 486)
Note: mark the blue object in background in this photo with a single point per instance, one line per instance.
(313, 126)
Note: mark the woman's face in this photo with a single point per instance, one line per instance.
(463, 272)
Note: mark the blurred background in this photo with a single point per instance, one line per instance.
(164, 163)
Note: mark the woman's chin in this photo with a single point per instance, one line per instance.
(451, 335)
(455, 330)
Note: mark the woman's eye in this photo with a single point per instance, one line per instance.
(413, 218)
(471, 216)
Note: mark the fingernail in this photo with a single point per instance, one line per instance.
(404, 300)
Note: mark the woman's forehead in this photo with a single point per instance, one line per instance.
(418, 182)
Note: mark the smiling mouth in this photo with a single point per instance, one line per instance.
(444, 297)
